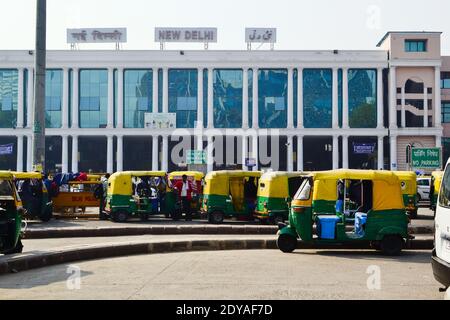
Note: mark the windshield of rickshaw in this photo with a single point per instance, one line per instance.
(304, 193)
(6, 189)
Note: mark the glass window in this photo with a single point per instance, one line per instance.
(304, 193)
(445, 80)
(53, 98)
(446, 112)
(272, 98)
(318, 98)
(183, 89)
(362, 98)
(93, 98)
(9, 80)
(228, 86)
(415, 45)
(138, 97)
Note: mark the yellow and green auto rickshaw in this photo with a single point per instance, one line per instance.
(135, 193)
(34, 195)
(10, 216)
(230, 194)
(275, 192)
(408, 183)
(172, 202)
(436, 179)
(380, 218)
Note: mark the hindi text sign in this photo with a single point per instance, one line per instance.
(97, 35)
(426, 158)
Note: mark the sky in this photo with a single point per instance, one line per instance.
(301, 24)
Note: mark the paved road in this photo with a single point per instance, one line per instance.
(250, 275)
(425, 219)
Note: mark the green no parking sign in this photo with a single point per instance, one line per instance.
(426, 158)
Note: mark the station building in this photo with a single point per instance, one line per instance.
(328, 109)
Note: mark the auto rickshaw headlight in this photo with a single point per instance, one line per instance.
(298, 209)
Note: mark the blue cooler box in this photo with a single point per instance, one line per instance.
(326, 226)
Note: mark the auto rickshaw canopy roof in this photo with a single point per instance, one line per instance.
(27, 175)
(197, 175)
(387, 194)
(121, 183)
(408, 181)
(217, 182)
(275, 184)
(6, 175)
(437, 180)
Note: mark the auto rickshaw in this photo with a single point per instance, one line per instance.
(10, 216)
(408, 183)
(436, 179)
(275, 193)
(34, 195)
(135, 193)
(171, 199)
(229, 194)
(380, 218)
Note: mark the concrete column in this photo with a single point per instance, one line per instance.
(65, 154)
(155, 153)
(155, 90)
(255, 106)
(425, 106)
(380, 106)
(75, 99)
(200, 124)
(439, 145)
(165, 154)
(210, 98)
(393, 144)
(300, 166)
(290, 94)
(335, 152)
(210, 154)
(345, 152)
(20, 99)
(437, 98)
(345, 111)
(65, 101)
(403, 112)
(380, 153)
(335, 111)
(165, 104)
(30, 99)
(245, 99)
(120, 98)
(29, 153)
(290, 154)
(110, 99)
(300, 113)
(255, 151)
(74, 154)
(119, 153)
(244, 152)
(392, 98)
(110, 155)
(19, 166)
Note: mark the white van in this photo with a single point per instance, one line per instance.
(441, 253)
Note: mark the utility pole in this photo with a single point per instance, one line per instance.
(39, 87)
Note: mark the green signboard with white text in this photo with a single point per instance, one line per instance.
(426, 158)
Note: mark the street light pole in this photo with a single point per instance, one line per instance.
(39, 87)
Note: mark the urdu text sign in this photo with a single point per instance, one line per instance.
(426, 158)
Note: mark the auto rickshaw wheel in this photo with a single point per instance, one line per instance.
(276, 220)
(17, 249)
(413, 214)
(47, 215)
(287, 243)
(216, 217)
(120, 216)
(144, 217)
(392, 245)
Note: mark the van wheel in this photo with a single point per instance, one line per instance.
(392, 245)
(120, 216)
(47, 215)
(17, 249)
(216, 217)
(287, 243)
(419, 198)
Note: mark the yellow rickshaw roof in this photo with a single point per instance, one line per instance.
(437, 174)
(406, 175)
(139, 174)
(27, 175)
(272, 175)
(6, 175)
(347, 174)
(233, 174)
(196, 174)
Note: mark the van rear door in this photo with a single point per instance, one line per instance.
(443, 219)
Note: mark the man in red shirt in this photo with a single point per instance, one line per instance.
(184, 191)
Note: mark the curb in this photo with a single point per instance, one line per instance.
(52, 233)
(23, 262)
